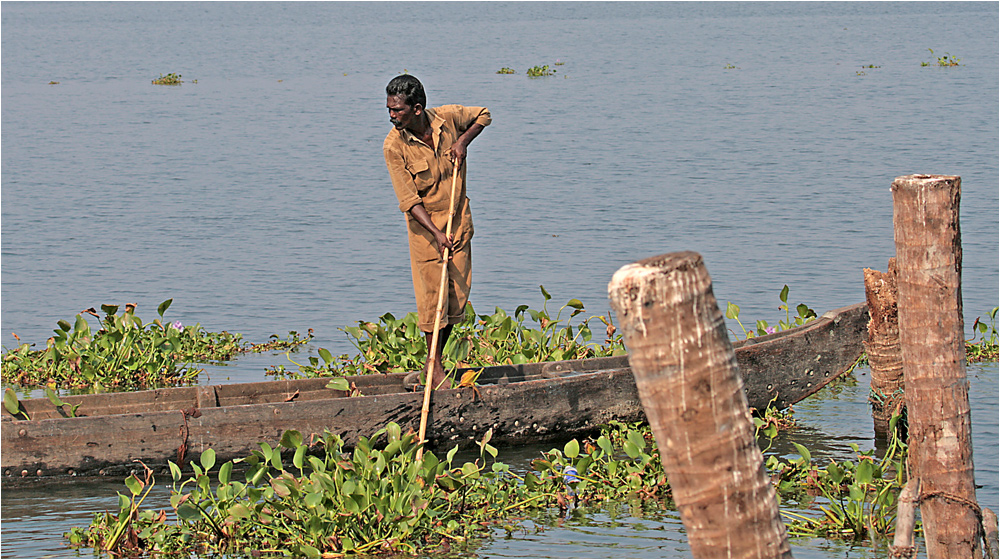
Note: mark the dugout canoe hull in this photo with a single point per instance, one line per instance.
(522, 404)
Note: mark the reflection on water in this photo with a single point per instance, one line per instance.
(36, 517)
(836, 417)
(618, 530)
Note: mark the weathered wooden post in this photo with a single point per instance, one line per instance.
(903, 543)
(992, 530)
(884, 357)
(931, 337)
(686, 372)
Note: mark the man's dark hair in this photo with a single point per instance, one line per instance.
(409, 87)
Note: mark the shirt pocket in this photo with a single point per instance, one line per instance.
(421, 172)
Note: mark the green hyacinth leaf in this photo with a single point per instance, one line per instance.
(164, 306)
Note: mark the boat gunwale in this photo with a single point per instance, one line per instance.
(539, 379)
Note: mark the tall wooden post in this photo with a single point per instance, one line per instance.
(884, 357)
(931, 337)
(686, 372)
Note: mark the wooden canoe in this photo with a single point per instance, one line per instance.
(522, 404)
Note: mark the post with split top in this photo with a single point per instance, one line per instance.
(887, 396)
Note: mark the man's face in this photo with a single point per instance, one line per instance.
(401, 115)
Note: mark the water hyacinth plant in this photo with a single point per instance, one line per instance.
(943, 61)
(539, 71)
(857, 500)
(984, 347)
(528, 335)
(170, 79)
(397, 345)
(13, 405)
(313, 497)
(125, 353)
(804, 314)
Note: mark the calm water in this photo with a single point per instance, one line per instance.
(258, 198)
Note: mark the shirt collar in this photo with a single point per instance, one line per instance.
(436, 122)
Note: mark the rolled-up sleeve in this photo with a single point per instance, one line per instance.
(475, 115)
(483, 116)
(402, 181)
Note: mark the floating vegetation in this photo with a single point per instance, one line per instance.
(168, 80)
(772, 422)
(539, 71)
(731, 67)
(803, 316)
(376, 500)
(316, 498)
(866, 67)
(506, 70)
(392, 345)
(559, 62)
(857, 500)
(946, 60)
(985, 347)
(53, 83)
(276, 343)
(398, 345)
(125, 353)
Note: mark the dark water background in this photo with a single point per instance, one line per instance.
(258, 199)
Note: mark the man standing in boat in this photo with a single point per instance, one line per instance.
(420, 153)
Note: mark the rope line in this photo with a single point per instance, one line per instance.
(955, 499)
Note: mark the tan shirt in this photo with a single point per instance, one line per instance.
(423, 175)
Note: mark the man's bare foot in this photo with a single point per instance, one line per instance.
(438, 378)
(412, 381)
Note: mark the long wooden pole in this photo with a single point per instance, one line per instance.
(931, 338)
(686, 372)
(442, 292)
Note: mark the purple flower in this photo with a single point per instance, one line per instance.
(178, 325)
(771, 330)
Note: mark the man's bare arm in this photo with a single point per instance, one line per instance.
(459, 149)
